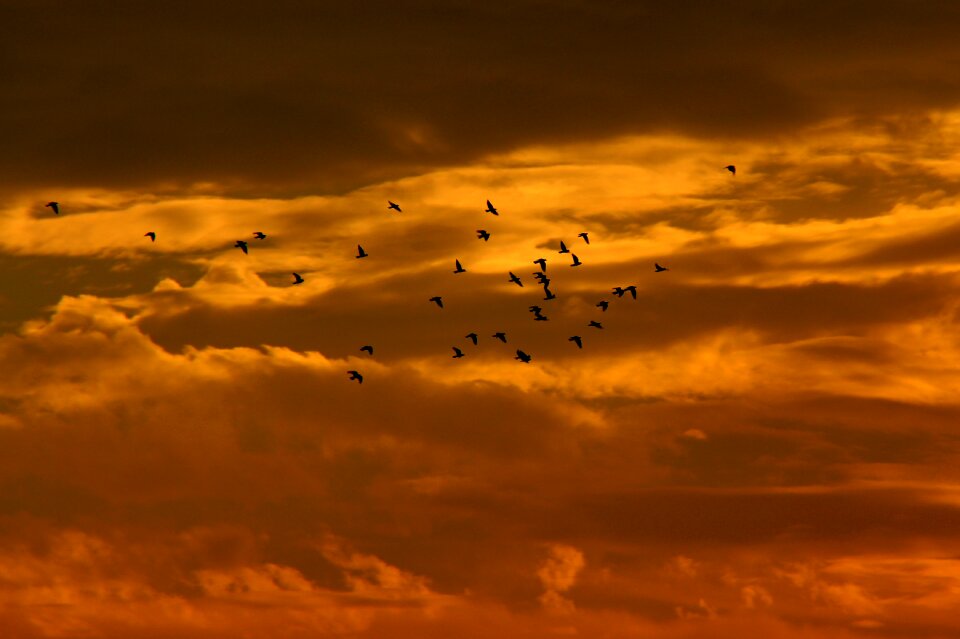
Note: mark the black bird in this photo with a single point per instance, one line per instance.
(472, 337)
(460, 269)
(523, 357)
(539, 317)
(602, 305)
(595, 324)
(483, 235)
(576, 260)
(491, 209)
(500, 336)
(151, 235)
(535, 309)
(457, 353)
(544, 281)
(438, 300)
(367, 348)
(731, 168)
(297, 279)
(550, 295)
(585, 237)
(659, 269)
(355, 375)
(395, 207)
(633, 290)
(543, 264)
(361, 252)
(576, 339)
(242, 246)
(563, 247)
(539, 276)
(515, 279)
(55, 206)
(260, 235)
(618, 291)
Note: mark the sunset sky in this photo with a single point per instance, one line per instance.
(766, 442)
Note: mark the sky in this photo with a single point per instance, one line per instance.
(765, 441)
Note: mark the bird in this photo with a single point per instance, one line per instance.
(297, 279)
(438, 300)
(576, 339)
(395, 207)
(595, 324)
(457, 353)
(472, 337)
(260, 235)
(355, 375)
(539, 276)
(151, 235)
(563, 248)
(483, 235)
(460, 268)
(619, 291)
(586, 238)
(633, 290)
(367, 348)
(576, 260)
(731, 168)
(361, 252)
(242, 246)
(544, 281)
(543, 264)
(535, 309)
(550, 295)
(602, 305)
(55, 206)
(515, 279)
(523, 357)
(659, 269)
(500, 336)
(491, 209)
(539, 317)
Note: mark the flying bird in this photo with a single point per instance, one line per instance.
(260, 235)
(576, 260)
(500, 336)
(297, 279)
(563, 248)
(438, 300)
(544, 281)
(457, 353)
(472, 337)
(586, 238)
(602, 305)
(491, 209)
(539, 317)
(151, 235)
(539, 276)
(543, 264)
(523, 357)
(483, 235)
(618, 291)
(550, 295)
(515, 279)
(355, 375)
(242, 246)
(576, 340)
(55, 206)
(535, 309)
(394, 206)
(633, 290)
(361, 252)
(367, 348)
(460, 269)
(659, 269)
(731, 168)
(595, 324)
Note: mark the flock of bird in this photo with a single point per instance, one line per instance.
(541, 276)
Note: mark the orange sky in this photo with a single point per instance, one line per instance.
(763, 443)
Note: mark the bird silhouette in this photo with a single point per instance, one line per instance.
(576, 340)
(55, 206)
(595, 324)
(544, 281)
(355, 375)
(550, 295)
(367, 348)
(633, 290)
(731, 168)
(539, 276)
(586, 238)
(535, 309)
(360, 252)
(523, 357)
(483, 235)
(539, 317)
(491, 209)
(618, 291)
(260, 235)
(659, 269)
(457, 353)
(240, 244)
(515, 279)
(394, 206)
(460, 268)
(472, 337)
(543, 264)
(602, 305)
(438, 300)
(576, 260)
(297, 279)
(151, 235)
(563, 248)
(500, 336)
